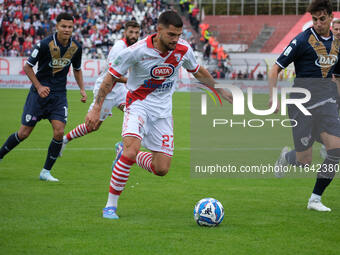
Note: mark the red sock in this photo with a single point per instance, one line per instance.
(79, 131)
(120, 175)
(144, 160)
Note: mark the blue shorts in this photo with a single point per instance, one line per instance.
(52, 107)
(324, 118)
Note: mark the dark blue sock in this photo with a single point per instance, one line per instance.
(291, 157)
(53, 153)
(320, 185)
(12, 141)
(327, 171)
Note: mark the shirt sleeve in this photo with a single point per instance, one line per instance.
(190, 62)
(290, 53)
(115, 50)
(35, 55)
(76, 61)
(122, 62)
(336, 70)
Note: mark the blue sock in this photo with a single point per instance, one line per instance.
(12, 141)
(53, 153)
(291, 157)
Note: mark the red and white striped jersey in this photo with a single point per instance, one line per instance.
(152, 75)
(115, 50)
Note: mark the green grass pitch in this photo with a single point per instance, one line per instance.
(262, 216)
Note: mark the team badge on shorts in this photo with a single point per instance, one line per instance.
(28, 117)
(305, 140)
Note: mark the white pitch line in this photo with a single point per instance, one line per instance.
(176, 149)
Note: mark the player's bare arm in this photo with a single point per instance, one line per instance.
(92, 118)
(205, 77)
(78, 75)
(272, 80)
(43, 91)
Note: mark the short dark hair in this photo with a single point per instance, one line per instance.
(336, 21)
(168, 18)
(131, 23)
(320, 5)
(65, 16)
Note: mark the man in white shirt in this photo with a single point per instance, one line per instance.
(117, 96)
(153, 65)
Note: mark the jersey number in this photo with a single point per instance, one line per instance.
(168, 141)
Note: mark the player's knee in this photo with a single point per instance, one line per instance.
(23, 134)
(161, 171)
(130, 153)
(58, 133)
(304, 159)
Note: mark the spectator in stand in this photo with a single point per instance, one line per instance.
(259, 76)
(207, 51)
(26, 17)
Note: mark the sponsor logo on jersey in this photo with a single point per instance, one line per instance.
(162, 71)
(326, 61)
(60, 62)
(35, 53)
(287, 51)
(117, 61)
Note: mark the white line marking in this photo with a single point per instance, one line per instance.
(176, 149)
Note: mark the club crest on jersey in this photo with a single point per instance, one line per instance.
(178, 57)
(326, 61)
(162, 71)
(60, 62)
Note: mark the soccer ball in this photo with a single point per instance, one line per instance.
(208, 212)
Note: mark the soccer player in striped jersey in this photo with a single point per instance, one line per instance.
(153, 65)
(117, 96)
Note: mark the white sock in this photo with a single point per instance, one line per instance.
(315, 197)
(112, 200)
(65, 140)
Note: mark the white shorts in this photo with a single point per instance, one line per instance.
(116, 97)
(156, 134)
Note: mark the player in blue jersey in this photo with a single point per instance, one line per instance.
(336, 33)
(47, 96)
(315, 54)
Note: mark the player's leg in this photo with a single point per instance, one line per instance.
(14, 139)
(328, 126)
(82, 130)
(303, 141)
(132, 133)
(57, 113)
(29, 118)
(156, 162)
(53, 150)
(120, 174)
(327, 171)
(159, 140)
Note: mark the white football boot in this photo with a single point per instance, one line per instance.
(281, 162)
(317, 206)
(45, 175)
